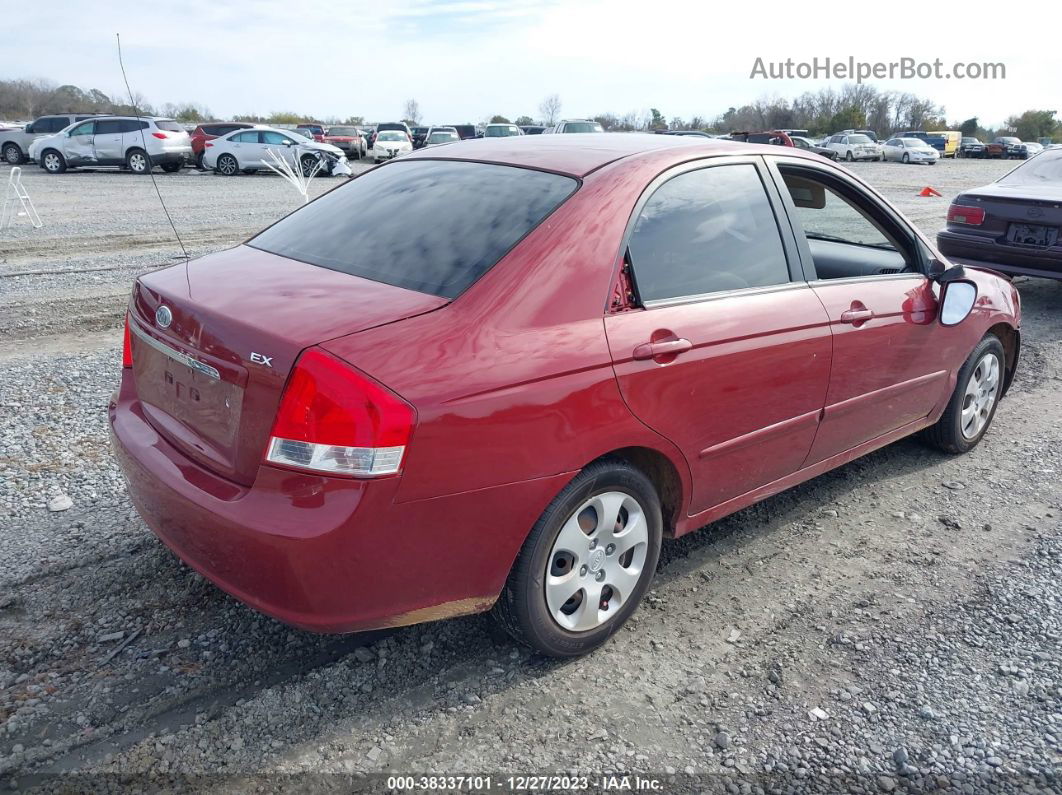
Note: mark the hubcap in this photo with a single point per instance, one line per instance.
(596, 561)
(228, 165)
(980, 397)
(137, 162)
(11, 155)
(51, 162)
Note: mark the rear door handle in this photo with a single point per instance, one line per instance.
(651, 350)
(856, 315)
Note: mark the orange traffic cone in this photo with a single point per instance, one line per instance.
(927, 191)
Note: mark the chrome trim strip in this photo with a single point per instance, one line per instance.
(175, 354)
(691, 299)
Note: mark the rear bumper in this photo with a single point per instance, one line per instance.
(1011, 260)
(326, 554)
(171, 157)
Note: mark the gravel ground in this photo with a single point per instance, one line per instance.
(893, 625)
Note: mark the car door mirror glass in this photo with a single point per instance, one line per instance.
(957, 301)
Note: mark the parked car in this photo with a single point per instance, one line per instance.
(1000, 146)
(134, 143)
(801, 142)
(501, 384)
(575, 126)
(910, 150)
(533, 129)
(15, 140)
(946, 142)
(971, 147)
(207, 132)
(440, 135)
(873, 136)
(249, 150)
(391, 144)
(418, 134)
(1011, 225)
(501, 130)
(775, 137)
(1024, 150)
(400, 126)
(912, 134)
(465, 131)
(854, 146)
(346, 138)
(316, 130)
(689, 133)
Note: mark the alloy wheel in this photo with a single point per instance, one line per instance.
(137, 162)
(982, 391)
(12, 155)
(51, 162)
(227, 165)
(596, 561)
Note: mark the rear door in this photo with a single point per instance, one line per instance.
(108, 142)
(729, 354)
(867, 267)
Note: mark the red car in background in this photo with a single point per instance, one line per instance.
(208, 131)
(346, 138)
(496, 374)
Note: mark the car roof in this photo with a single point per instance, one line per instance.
(578, 155)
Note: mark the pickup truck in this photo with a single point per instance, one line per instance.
(15, 141)
(1000, 147)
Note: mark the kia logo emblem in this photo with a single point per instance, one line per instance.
(163, 316)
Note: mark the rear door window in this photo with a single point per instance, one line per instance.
(706, 231)
(429, 225)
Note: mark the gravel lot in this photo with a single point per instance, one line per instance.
(895, 625)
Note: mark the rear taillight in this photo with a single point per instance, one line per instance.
(334, 419)
(207, 144)
(127, 348)
(961, 214)
(159, 134)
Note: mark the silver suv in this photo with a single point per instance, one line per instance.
(137, 144)
(575, 126)
(15, 141)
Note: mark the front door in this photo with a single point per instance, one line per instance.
(729, 354)
(79, 149)
(109, 142)
(866, 267)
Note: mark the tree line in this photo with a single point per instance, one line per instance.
(854, 106)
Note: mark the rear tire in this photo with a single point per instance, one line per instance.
(228, 165)
(199, 161)
(53, 162)
(848, 156)
(906, 158)
(612, 502)
(138, 161)
(171, 168)
(973, 403)
(13, 155)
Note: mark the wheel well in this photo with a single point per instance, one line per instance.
(1011, 339)
(659, 469)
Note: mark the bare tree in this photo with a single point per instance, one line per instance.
(550, 109)
(412, 111)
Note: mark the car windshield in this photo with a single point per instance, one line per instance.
(391, 135)
(915, 143)
(501, 130)
(859, 139)
(443, 136)
(1044, 169)
(348, 131)
(304, 132)
(582, 127)
(434, 226)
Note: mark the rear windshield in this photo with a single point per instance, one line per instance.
(427, 225)
(582, 127)
(1044, 169)
(169, 124)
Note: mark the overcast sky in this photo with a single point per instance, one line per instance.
(464, 60)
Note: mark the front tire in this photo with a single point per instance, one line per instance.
(973, 403)
(848, 156)
(53, 162)
(586, 564)
(308, 162)
(138, 161)
(906, 158)
(13, 155)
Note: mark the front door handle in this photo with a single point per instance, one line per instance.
(856, 315)
(652, 350)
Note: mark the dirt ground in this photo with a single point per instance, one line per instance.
(894, 625)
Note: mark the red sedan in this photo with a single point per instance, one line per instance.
(497, 376)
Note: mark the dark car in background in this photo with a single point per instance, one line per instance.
(464, 131)
(970, 146)
(419, 134)
(206, 132)
(1013, 224)
(800, 142)
(532, 129)
(317, 130)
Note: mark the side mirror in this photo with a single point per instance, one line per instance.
(942, 274)
(956, 300)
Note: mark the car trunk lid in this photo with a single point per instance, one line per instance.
(1023, 204)
(210, 379)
